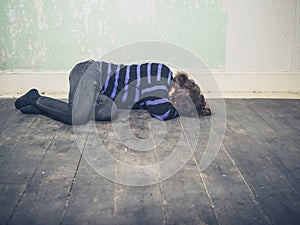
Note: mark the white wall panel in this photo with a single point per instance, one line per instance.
(262, 36)
(295, 56)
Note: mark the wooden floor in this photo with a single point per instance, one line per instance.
(255, 178)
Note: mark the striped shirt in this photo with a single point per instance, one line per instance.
(143, 86)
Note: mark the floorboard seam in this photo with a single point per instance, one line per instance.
(271, 127)
(254, 199)
(72, 184)
(201, 176)
(164, 203)
(160, 184)
(28, 182)
(118, 188)
(17, 140)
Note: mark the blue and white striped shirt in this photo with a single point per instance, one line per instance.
(142, 86)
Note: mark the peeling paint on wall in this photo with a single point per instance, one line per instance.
(54, 35)
(140, 12)
(42, 23)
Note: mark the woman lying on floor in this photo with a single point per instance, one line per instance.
(98, 88)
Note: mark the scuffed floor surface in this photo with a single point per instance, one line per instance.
(255, 178)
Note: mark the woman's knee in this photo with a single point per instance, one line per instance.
(80, 68)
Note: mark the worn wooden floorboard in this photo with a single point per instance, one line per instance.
(284, 149)
(137, 204)
(13, 126)
(46, 177)
(48, 191)
(231, 198)
(186, 200)
(91, 199)
(285, 145)
(254, 156)
(19, 167)
(120, 204)
(8, 114)
(10, 195)
(233, 201)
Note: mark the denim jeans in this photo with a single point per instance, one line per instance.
(84, 102)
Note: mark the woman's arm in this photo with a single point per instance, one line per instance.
(161, 108)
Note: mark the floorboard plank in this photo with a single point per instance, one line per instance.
(137, 204)
(283, 148)
(282, 117)
(7, 112)
(185, 199)
(13, 125)
(253, 156)
(233, 202)
(48, 190)
(9, 197)
(91, 199)
(19, 165)
(255, 178)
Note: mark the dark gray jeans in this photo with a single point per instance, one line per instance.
(85, 102)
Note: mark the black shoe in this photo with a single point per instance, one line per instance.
(29, 98)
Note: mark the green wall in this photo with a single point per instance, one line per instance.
(41, 35)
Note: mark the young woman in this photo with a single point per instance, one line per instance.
(98, 88)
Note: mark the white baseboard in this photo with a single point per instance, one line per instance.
(256, 85)
(14, 84)
(229, 85)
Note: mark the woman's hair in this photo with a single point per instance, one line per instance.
(185, 91)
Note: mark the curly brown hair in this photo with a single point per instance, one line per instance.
(183, 91)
